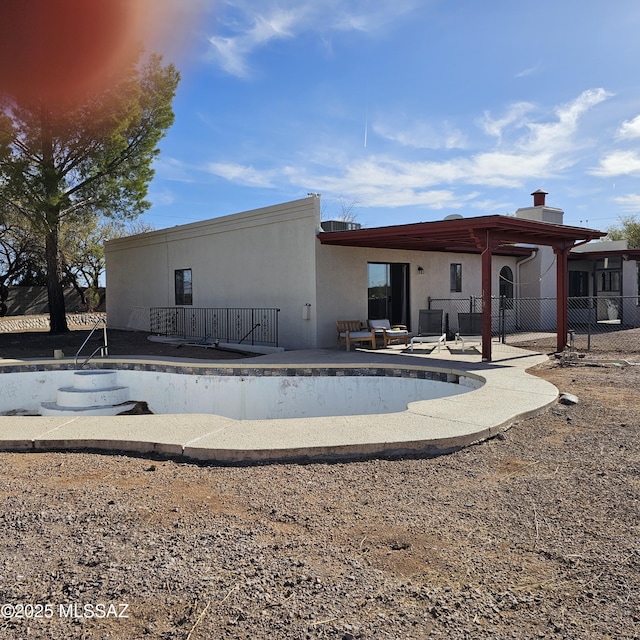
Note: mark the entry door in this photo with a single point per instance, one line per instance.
(608, 273)
(608, 291)
(389, 292)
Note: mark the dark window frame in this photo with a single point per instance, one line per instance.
(389, 296)
(183, 281)
(610, 280)
(579, 283)
(578, 289)
(506, 286)
(455, 277)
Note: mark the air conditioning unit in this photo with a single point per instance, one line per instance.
(339, 225)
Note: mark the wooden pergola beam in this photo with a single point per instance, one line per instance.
(488, 235)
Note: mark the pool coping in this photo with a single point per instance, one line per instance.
(426, 428)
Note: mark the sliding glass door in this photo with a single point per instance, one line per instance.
(389, 292)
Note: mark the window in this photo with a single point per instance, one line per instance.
(506, 287)
(184, 293)
(578, 284)
(455, 277)
(609, 281)
(579, 290)
(609, 275)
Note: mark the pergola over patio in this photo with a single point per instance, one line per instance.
(485, 235)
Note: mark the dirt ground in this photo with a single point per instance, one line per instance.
(39, 344)
(534, 534)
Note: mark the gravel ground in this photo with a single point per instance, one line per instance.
(533, 534)
(40, 344)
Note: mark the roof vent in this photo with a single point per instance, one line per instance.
(453, 216)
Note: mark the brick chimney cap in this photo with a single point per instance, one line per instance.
(541, 192)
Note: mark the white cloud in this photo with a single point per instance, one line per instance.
(420, 134)
(255, 23)
(618, 163)
(554, 136)
(515, 115)
(495, 206)
(432, 198)
(524, 147)
(546, 149)
(374, 195)
(162, 197)
(240, 174)
(526, 150)
(499, 169)
(557, 136)
(384, 182)
(629, 129)
(528, 72)
(168, 168)
(362, 15)
(231, 52)
(629, 202)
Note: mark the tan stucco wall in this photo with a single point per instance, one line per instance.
(631, 310)
(271, 257)
(538, 275)
(342, 281)
(259, 258)
(629, 278)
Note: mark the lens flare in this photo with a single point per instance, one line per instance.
(60, 51)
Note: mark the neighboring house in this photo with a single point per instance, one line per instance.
(280, 257)
(609, 273)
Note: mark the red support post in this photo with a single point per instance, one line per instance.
(562, 293)
(486, 300)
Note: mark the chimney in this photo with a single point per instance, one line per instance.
(540, 211)
(538, 198)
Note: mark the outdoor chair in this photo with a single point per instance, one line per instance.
(352, 331)
(469, 328)
(389, 333)
(430, 328)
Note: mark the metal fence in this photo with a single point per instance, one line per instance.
(233, 325)
(596, 323)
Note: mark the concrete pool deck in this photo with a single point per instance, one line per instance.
(430, 427)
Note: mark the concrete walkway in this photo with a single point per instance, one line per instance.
(426, 428)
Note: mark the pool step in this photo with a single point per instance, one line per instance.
(93, 393)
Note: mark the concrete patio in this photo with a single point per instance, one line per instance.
(430, 427)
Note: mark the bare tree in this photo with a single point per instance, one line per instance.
(347, 211)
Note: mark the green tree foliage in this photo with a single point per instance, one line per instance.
(629, 230)
(83, 253)
(60, 169)
(19, 253)
(22, 259)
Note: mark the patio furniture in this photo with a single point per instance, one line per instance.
(469, 328)
(353, 331)
(389, 333)
(430, 328)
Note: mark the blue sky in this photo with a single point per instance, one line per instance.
(405, 110)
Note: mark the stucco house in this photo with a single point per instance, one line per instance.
(280, 257)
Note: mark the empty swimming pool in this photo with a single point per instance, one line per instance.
(257, 393)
